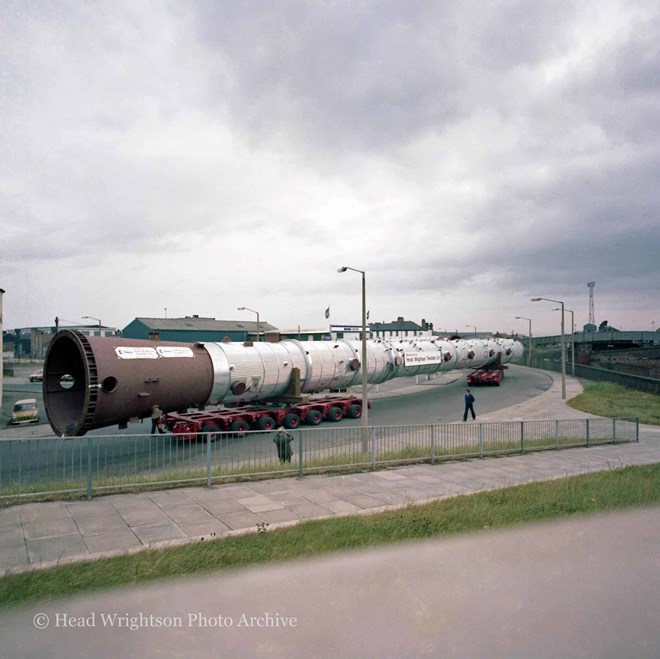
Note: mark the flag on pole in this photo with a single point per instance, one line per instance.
(327, 312)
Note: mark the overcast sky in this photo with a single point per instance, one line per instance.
(197, 156)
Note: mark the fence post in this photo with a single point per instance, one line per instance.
(208, 459)
(481, 440)
(557, 432)
(89, 466)
(432, 444)
(522, 436)
(587, 433)
(373, 449)
(301, 466)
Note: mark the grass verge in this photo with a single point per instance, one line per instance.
(604, 491)
(614, 400)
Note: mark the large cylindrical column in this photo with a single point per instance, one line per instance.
(93, 382)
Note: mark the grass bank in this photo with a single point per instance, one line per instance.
(614, 400)
(605, 491)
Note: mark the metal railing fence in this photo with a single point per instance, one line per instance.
(83, 466)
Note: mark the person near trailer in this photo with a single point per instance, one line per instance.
(156, 416)
(469, 405)
(283, 441)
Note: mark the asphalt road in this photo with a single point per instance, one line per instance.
(128, 452)
(445, 404)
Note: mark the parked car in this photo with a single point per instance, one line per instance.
(25, 411)
(37, 376)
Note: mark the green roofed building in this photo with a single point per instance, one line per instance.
(195, 328)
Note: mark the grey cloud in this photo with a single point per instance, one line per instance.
(344, 76)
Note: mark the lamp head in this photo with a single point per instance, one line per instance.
(342, 269)
(241, 308)
(536, 299)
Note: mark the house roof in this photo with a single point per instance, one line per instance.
(197, 323)
(396, 326)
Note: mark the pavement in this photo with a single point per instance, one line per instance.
(576, 587)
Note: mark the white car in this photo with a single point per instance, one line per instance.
(37, 376)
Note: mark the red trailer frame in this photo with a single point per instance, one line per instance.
(485, 376)
(187, 425)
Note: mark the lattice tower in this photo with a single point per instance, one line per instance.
(592, 318)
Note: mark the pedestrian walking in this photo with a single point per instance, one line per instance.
(283, 441)
(469, 402)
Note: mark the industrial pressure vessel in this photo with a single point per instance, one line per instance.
(94, 382)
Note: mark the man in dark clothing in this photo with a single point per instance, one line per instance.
(469, 400)
(283, 442)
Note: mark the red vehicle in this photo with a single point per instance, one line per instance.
(186, 425)
(485, 376)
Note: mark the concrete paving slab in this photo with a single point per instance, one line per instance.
(14, 559)
(10, 519)
(56, 548)
(244, 520)
(150, 533)
(47, 510)
(169, 498)
(118, 541)
(11, 539)
(144, 513)
(95, 507)
(309, 510)
(279, 516)
(365, 501)
(48, 528)
(102, 524)
(207, 529)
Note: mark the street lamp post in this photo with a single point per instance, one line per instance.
(365, 374)
(258, 326)
(529, 351)
(563, 343)
(475, 327)
(92, 318)
(572, 340)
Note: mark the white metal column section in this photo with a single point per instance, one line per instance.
(332, 365)
(221, 372)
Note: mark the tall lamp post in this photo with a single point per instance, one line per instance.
(529, 351)
(475, 327)
(258, 326)
(563, 343)
(365, 374)
(572, 339)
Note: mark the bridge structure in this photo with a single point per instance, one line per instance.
(607, 340)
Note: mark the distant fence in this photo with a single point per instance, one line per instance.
(83, 466)
(650, 385)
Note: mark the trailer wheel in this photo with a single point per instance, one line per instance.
(239, 427)
(335, 414)
(291, 421)
(209, 431)
(354, 411)
(266, 423)
(314, 417)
